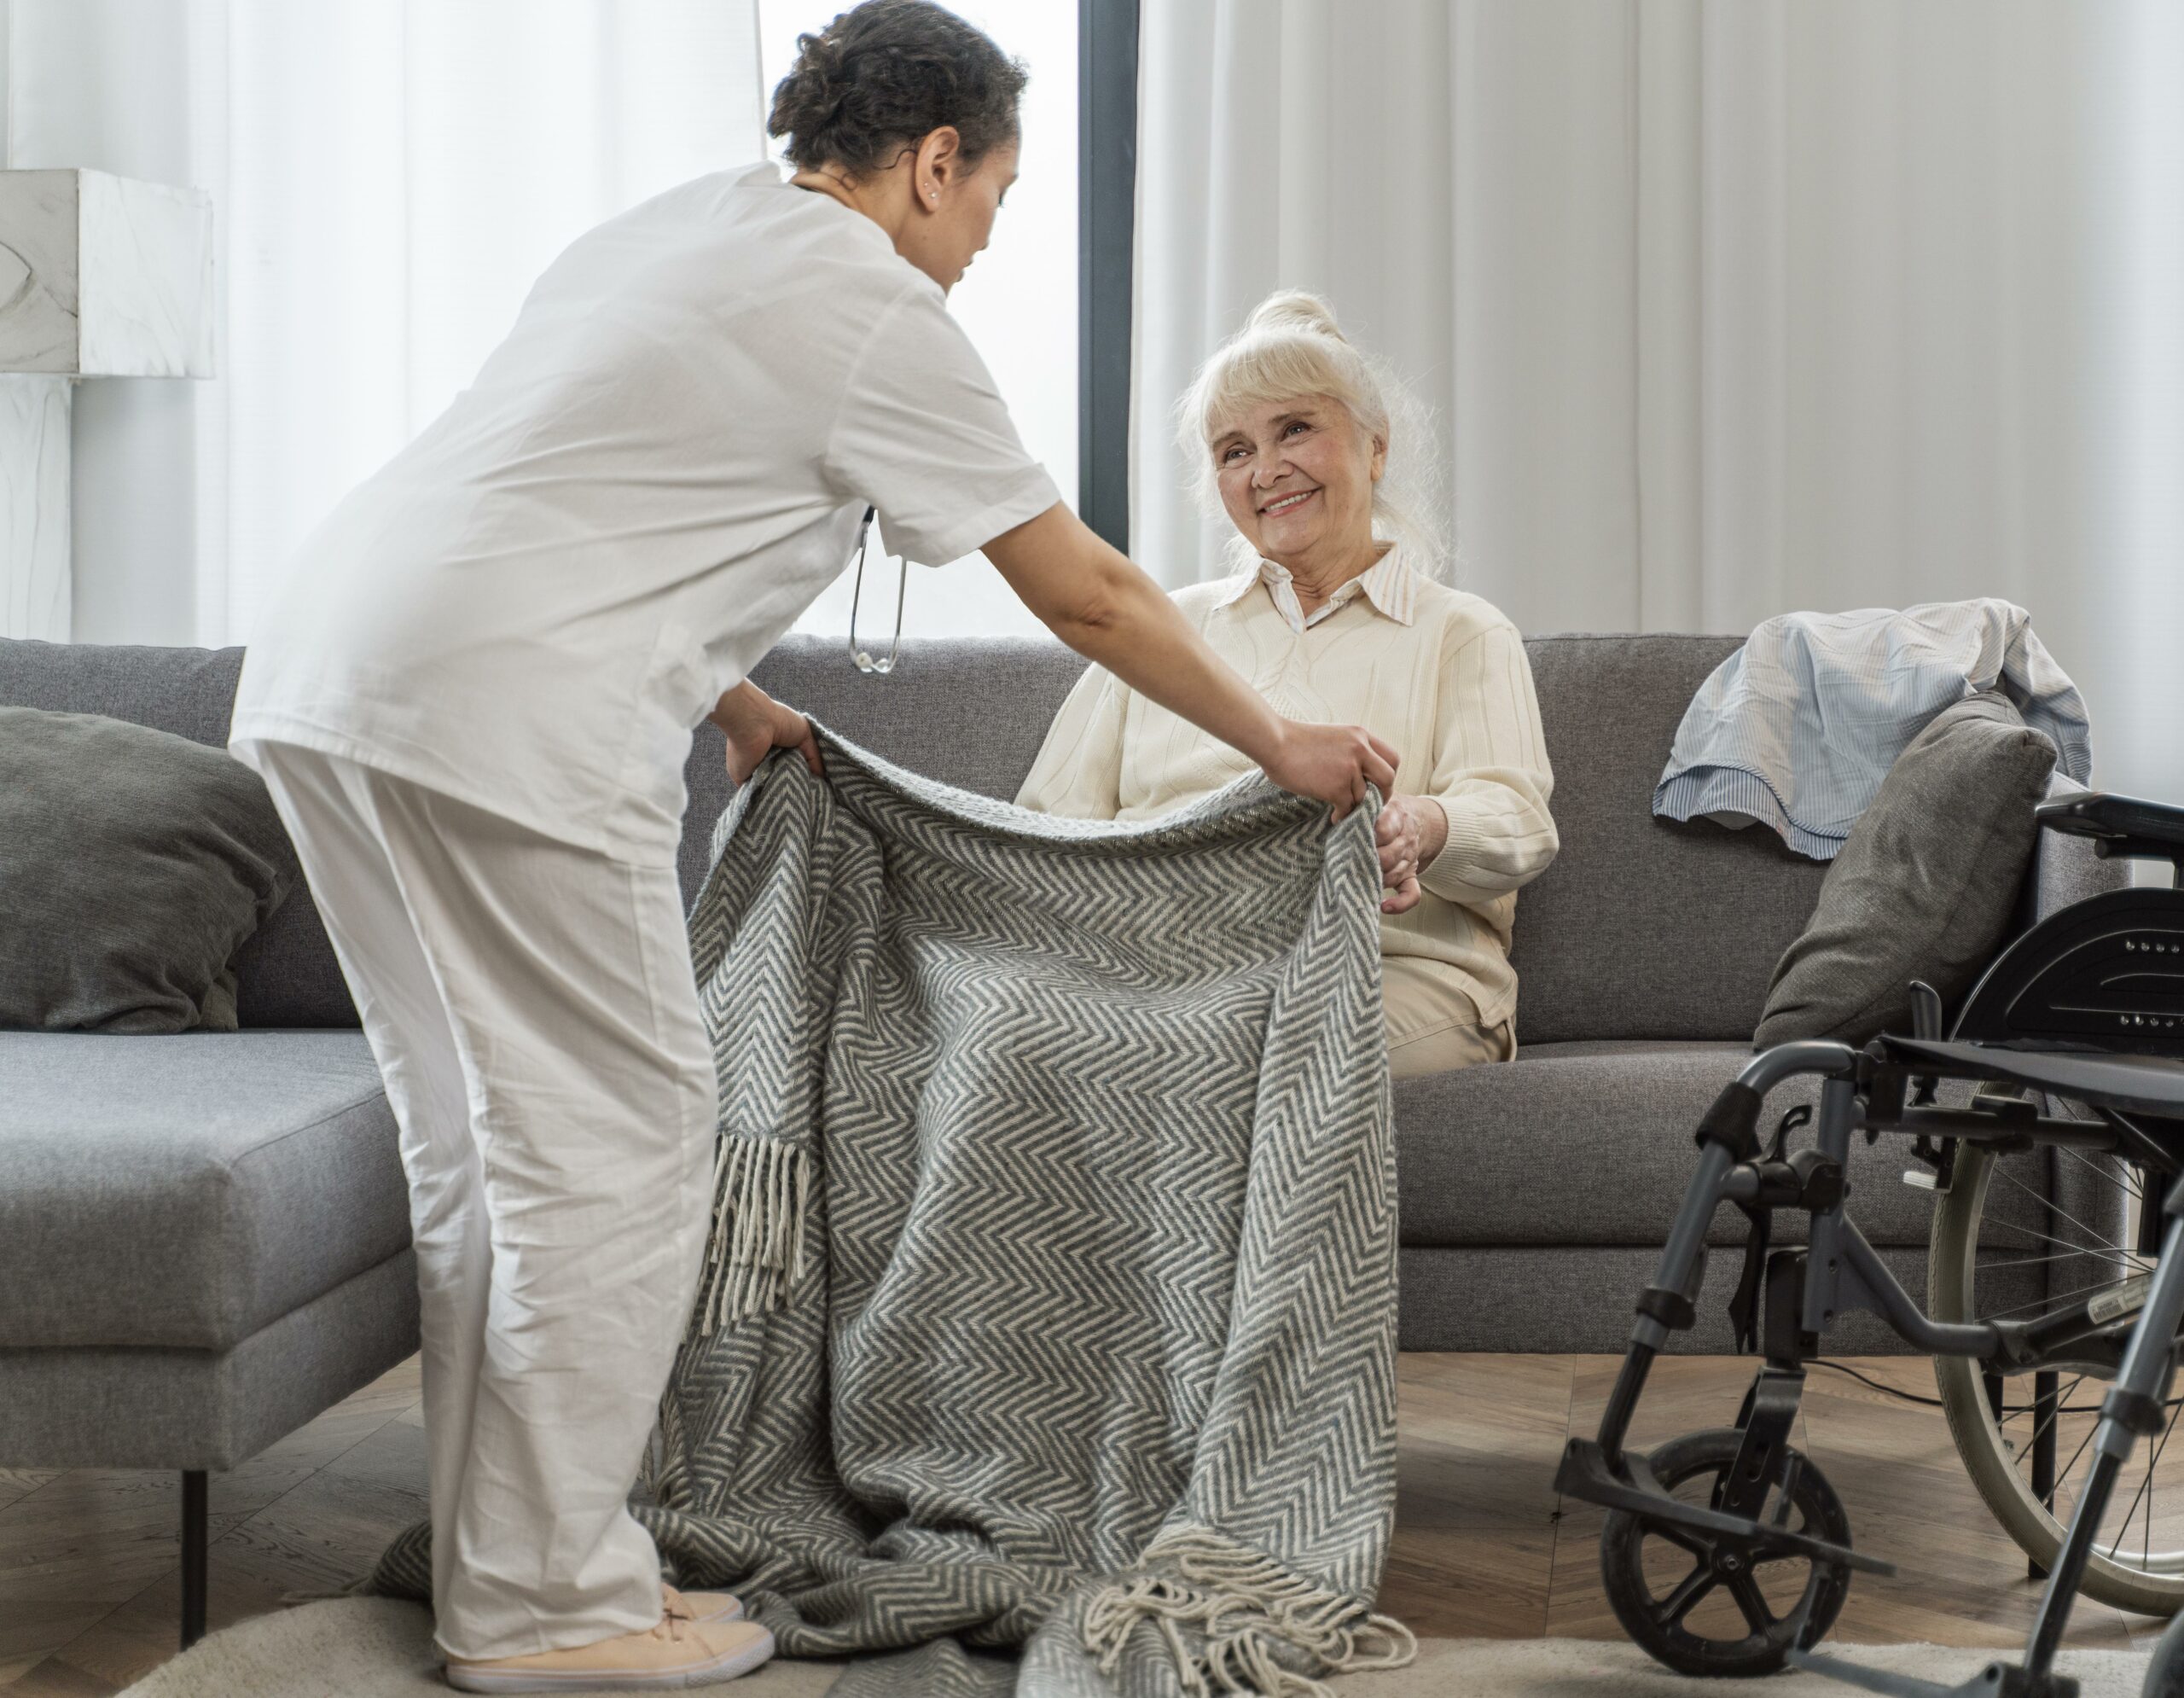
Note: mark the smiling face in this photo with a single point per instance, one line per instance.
(1296, 478)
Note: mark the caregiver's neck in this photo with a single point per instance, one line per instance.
(885, 197)
(1320, 570)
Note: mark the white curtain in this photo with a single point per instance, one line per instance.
(388, 177)
(1726, 307)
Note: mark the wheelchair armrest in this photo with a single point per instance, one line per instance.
(2066, 867)
(2125, 828)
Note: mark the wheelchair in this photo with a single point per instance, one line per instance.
(2052, 1312)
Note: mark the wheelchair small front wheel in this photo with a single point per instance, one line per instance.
(1689, 1601)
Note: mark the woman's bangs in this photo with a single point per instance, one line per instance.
(1268, 368)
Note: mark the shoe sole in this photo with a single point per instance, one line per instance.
(721, 1668)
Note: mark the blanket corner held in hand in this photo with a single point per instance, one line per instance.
(1045, 1342)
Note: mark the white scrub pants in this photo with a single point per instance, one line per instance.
(532, 1008)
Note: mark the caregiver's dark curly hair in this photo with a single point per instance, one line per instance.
(885, 75)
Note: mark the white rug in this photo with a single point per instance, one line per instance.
(381, 1648)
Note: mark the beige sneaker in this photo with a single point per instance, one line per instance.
(702, 1605)
(680, 1652)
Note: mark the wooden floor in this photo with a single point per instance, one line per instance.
(89, 1589)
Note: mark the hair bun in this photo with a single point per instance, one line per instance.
(1295, 309)
(884, 74)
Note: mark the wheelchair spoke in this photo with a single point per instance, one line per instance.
(2062, 1402)
(2049, 1203)
(2011, 1264)
(2066, 1249)
(2145, 1491)
(2123, 1179)
(2062, 1473)
(1752, 1602)
(2062, 1399)
(2049, 1301)
(1671, 1610)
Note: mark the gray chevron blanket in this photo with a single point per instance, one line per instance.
(1046, 1341)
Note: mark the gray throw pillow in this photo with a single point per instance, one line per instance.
(133, 863)
(1926, 881)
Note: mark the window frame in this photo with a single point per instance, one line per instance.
(1106, 188)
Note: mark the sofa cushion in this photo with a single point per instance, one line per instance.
(1591, 1143)
(285, 974)
(1926, 881)
(1643, 927)
(135, 864)
(185, 1191)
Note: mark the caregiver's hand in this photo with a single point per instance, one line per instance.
(1411, 831)
(1103, 607)
(1334, 763)
(755, 725)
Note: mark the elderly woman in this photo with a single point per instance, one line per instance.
(1339, 614)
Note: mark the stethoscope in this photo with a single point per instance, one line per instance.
(863, 661)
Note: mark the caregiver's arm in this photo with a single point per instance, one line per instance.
(1095, 600)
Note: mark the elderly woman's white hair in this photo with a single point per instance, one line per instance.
(1289, 348)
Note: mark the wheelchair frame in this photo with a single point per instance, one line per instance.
(2044, 998)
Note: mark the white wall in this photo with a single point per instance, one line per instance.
(106, 96)
(387, 178)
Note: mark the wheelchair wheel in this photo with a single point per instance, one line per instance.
(2043, 1252)
(1689, 1604)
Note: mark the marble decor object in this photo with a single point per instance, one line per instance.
(100, 276)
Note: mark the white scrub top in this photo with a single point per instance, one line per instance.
(530, 605)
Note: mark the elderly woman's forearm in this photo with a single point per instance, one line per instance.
(1500, 837)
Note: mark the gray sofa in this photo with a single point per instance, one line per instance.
(204, 1239)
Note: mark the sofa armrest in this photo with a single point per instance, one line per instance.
(2065, 869)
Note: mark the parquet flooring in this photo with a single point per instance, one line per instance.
(90, 1582)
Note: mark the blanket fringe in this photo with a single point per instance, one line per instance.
(1246, 1605)
(760, 1189)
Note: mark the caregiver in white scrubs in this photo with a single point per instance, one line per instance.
(472, 707)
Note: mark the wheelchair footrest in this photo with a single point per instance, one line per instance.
(1996, 1680)
(1586, 1474)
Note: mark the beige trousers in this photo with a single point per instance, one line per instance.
(1433, 1027)
(532, 1008)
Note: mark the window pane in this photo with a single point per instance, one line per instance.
(1018, 303)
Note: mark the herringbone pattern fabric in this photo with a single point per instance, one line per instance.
(1056, 1350)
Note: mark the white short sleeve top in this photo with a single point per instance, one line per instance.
(531, 605)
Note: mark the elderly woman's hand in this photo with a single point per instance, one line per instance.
(1411, 831)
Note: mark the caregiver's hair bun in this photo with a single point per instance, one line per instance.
(1295, 309)
(887, 73)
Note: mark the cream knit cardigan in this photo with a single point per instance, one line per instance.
(1436, 672)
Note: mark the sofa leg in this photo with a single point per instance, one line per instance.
(194, 1541)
